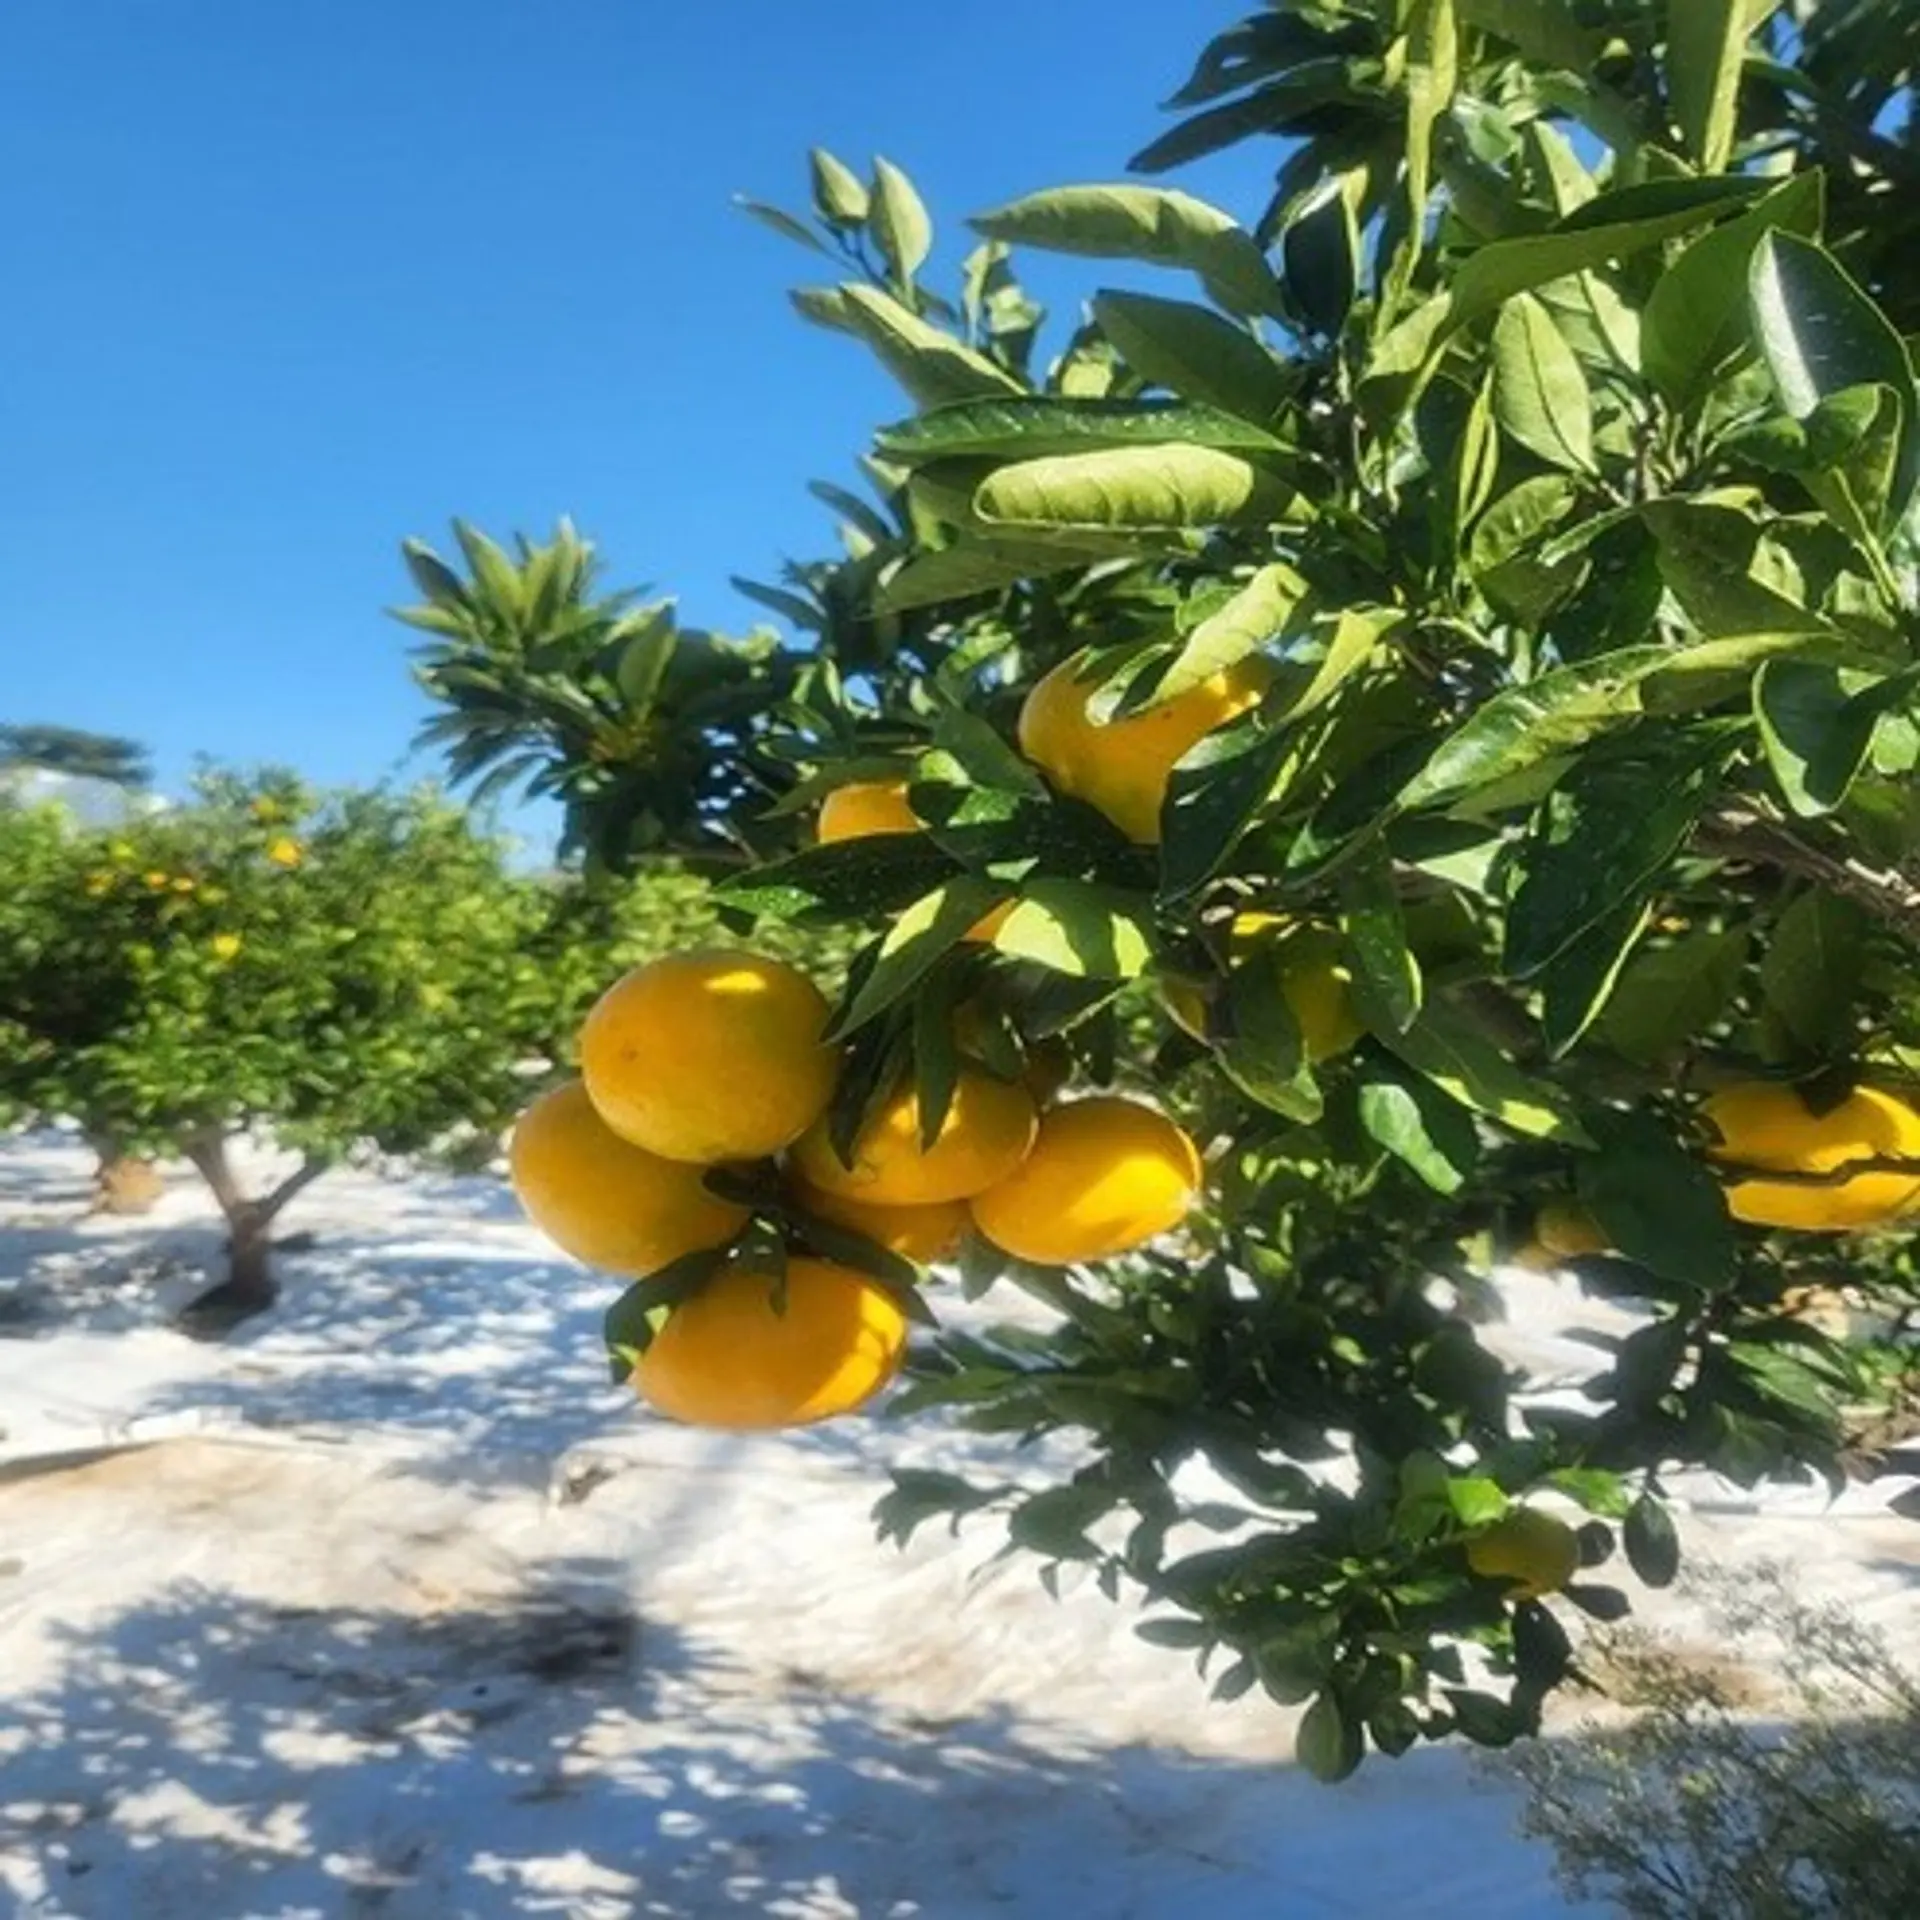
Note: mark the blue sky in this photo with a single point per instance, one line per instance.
(288, 281)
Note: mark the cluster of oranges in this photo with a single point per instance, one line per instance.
(1764, 1127)
(717, 1059)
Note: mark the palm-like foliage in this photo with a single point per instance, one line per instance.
(72, 750)
(645, 730)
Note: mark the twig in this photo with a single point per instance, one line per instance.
(1890, 895)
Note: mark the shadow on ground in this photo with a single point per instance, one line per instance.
(207, 1758)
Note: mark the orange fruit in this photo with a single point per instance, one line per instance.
(726, 1358)
(604, 1200)
(867, 807)
(709, 1056)
(1104, 1175)
(986, 1133)
(1123, 768)
(923, 1234)
(1769, 1127)
(1566, 1230)
(863, 808)
(1314, 982)
(1531, 1551)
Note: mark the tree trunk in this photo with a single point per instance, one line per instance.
(249, 1287)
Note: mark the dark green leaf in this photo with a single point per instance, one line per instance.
(1328, 1743)
(1656, 1201)
(1386, 975)
(1810, 969)
(1696, 316)
(851, 879)
(635, 1317)
(1320, 251)
(1673, 994)
(1039, 425)
(1578, 982)
(1260, 610)
(1706, 41)
(1214, 797)
(930, 927)
(1459, 1059)
(1606, 836)
(1816, 733)
(1419, 1124)
(1821, 334)
(1653, 1546)
(1542, 1653)
(1261, 1049)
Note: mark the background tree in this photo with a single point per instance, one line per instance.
(339, 973)
(70, 750)
(1516, 520)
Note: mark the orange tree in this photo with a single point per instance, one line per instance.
(1453, 648)
(342, 972)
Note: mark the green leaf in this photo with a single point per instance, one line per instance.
(1214, 797)
(931, 365)
(1820, 334)
(1542, 1653)
(1386, 975)
(1652, 1543)
(1419, 1124)
(1524, 726)
(1606, 836)
(1612, 226)
(1656, 1201)
(1143, 223)
(1707, 556)
(1135, 489)
(925, 931)
(852, 879)
(1546, 31)
(1193, 352)
(1259, 611)
(1810, 970)
(633, 1319)
(1577, 983)
(645, 659)
(1432, 75)
(1706, 43)
(1696, 316)
(1670, 995)
(1261, 1049)
(1540, 395)
(1816, 733)
(781, 222)
(1459, 1059)
(1320, 250)
(899, 222)
(1033, 426)
(1077, 928)
(838, 195)
(1328, 1743)
(974, 566)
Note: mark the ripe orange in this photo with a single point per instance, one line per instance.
(1567, 1230)
(866, 807)
(725, 1358)
(709, 1056)
(604, 1200)
(924, 1234)
(1314, 982)
(1531, 1551)
(986, 1133)
(1123, 768)
(1768, 1126)
(1104, 1175)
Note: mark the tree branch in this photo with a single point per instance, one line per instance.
(207, 1150)
(309, 1170)
(1890, 895)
